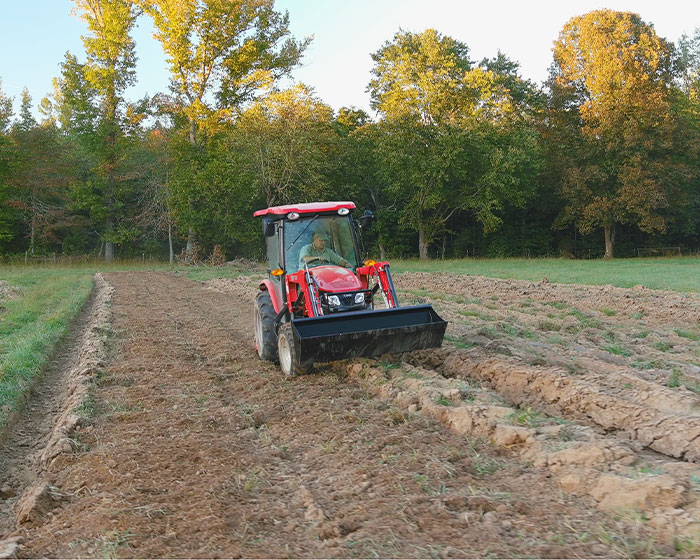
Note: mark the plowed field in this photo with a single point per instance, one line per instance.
(556, 421)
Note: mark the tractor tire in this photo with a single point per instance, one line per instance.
(289, 361)
(264, 319)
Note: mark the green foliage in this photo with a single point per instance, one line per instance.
(465, 158)
(451, 139)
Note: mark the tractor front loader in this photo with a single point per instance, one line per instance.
(320, 303)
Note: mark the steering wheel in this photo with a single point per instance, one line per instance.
(312, 259)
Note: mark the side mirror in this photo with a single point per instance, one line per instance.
(268, 226)
(367, 218)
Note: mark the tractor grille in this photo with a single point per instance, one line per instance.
(347, 302)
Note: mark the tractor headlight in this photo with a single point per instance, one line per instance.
(334, 301)
(359, 298)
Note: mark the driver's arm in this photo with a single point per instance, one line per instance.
(304, 255)
(337, 259)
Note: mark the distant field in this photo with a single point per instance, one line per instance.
(680, 274)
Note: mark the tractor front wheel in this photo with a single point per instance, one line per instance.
(264, 318)
(289, 361)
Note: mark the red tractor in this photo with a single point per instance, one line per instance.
(321, 302)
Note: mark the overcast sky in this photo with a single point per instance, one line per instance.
(37, 33)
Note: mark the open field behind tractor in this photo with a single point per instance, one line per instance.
(558, 419)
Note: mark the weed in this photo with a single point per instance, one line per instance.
(388, 366)
(88, 407)
(466, 392)
(610, 336)
(558, 340)
(458, 342)
(389, 459)
(427, 487)
(113, 541)
(527, 417)
(686, 545)
(566, 433)
(646, 470)
(674, 380)
(640, 334)
(556, 304)
(443, 401)
(396, 416)
(546, 325)
(485, 466)
(687, 334)
(586, 321)
(618, 350)
(477, 314)
(609, 312)
(663, 346)
(252, 483)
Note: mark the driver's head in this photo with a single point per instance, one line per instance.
(320, 239)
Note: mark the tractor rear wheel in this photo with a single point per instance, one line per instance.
(264, 317)
(289, 361)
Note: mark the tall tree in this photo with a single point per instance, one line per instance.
(445, 125)
(221, 53)
(109, 70)
(289, 140)
(614, 74)
(41, 177)
(7, 158)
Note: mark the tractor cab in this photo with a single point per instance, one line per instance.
(318, 303)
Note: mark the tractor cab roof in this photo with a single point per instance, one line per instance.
(305, 208)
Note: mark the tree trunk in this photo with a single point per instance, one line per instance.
(382, 251)
(190, 244)
(193, 132)
(109, 252)
(609, 241)
(422, 243)
(170, 243)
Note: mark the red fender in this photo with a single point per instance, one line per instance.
(266, 286)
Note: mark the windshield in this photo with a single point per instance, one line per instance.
(319, 240)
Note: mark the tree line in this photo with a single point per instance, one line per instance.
(462, 157)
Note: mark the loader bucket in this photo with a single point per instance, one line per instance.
(367, 333)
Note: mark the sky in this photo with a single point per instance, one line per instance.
(35, 35)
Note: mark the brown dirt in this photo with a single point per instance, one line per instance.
(517, 439)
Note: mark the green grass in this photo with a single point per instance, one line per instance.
(680, 274)
(205, 273)
(32, 323)
(618, 350)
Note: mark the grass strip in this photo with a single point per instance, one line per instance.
(679, 274)
(34, 315)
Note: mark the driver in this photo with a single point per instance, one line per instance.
(317, 250)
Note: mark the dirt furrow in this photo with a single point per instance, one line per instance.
(617, 476)
(43, 433)
(673, 434)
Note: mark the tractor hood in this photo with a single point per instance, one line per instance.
(331, 278)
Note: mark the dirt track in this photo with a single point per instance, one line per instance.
(189, 446)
